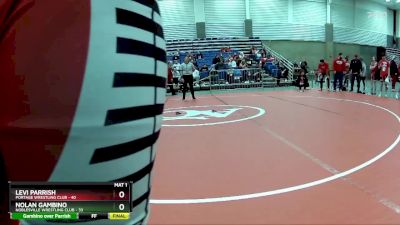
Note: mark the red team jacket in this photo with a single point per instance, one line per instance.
(339, 65)
(384, 67)
(323, 68)
(82, 94)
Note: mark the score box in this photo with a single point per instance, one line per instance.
(69, 216)
(26, 198)
(44, 216)
(69, 191)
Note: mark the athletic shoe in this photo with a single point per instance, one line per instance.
(397, 96)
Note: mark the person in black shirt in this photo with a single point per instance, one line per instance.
(304, 66)
(176, 56)
(355, 68)
(204, 68)
(393, 72)
(216, 59)
(194, 61)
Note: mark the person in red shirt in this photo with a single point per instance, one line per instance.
(323, 71)
(384, 66)
(339, 66)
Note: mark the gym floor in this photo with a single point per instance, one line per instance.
(278, 157)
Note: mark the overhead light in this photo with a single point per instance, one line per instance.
(387, 0)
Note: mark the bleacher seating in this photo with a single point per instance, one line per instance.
(212, 44)
(271, 69)
(210, 47)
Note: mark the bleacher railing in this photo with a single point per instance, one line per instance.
(235, 78)
(229, 79)
(282, 60)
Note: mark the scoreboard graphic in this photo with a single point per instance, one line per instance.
(69, 201)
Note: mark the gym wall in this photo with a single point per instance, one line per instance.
(312, 52)
(295, 28)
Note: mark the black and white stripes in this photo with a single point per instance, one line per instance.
(118, 118)
(132, 19)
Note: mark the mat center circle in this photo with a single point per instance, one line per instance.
(209, 115)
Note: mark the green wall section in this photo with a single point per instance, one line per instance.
(201, 29)
(312, 52)
(248, 28)
(297, 51)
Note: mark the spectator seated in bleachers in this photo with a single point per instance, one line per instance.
(232, 63)
(263, 53)
(263, 60)
(241, 55)
(226, 49)
(216, 59)
(194, 61)
(199, 55)
(253, 50)
(272, 68)
(243, 64)
(257, 56)
(283, 73)
(204, 68)
(271, 59)
(175, 57)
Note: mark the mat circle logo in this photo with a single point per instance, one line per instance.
(208, 115)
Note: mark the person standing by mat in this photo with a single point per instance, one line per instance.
(187, 69)
(393, 73)
(347, 74)
(339, 66)
(170, 80)
(363, 74)
(355, 71)
(323, 72)
(375, 74)
(384, 67)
